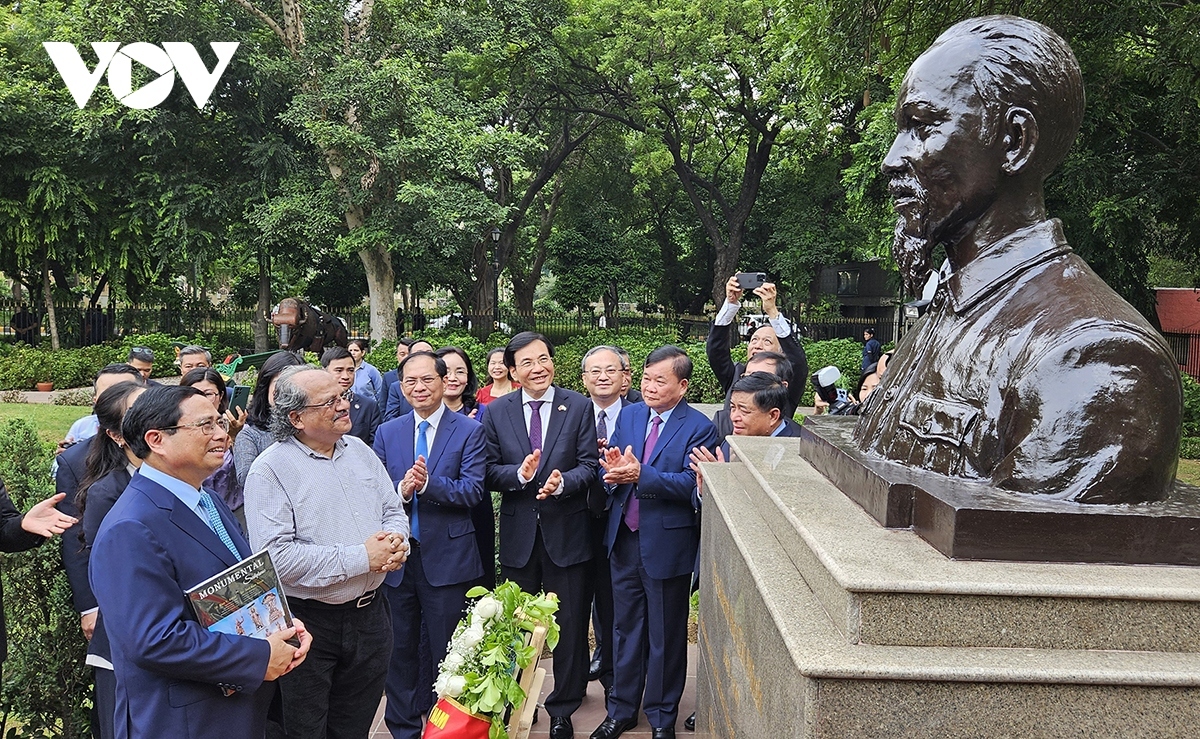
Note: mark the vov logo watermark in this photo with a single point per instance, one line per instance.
(171, 58)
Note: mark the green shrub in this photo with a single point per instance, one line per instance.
(568, 355)
(1190, 447)
(1191, 407)
(45, 679)
(22, 366)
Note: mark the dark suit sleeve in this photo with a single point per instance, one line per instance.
(396, 404)
(680, 486)
(157, 630)
(464, 488)
(578, 479)
(717, 346)
(372, 419)
(100, 499)
(500, 476)
(13, 538)
(793, 349)
(75, 554)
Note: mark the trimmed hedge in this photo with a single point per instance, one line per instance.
(568, 356)
(22, 366)
(47, 686)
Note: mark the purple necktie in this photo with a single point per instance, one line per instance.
(535, 424)
(634, 508)
(602, 426)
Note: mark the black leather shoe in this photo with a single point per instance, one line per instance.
(594, 668)
(560, 728)
(612, 728)
(689, 723)
(663, 733)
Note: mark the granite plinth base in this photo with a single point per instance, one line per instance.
(817, 622)
(964, 519)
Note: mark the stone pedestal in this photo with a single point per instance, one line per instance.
(816, 621)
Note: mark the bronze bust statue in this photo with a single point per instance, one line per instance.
(1028, 372)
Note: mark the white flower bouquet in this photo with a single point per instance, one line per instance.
(479, 673)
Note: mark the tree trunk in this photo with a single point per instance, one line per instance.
(48, 295)
(262, 310)
(381, 286)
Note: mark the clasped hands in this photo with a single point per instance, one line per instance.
(386, 551)
(620, 468)
(415, 479)
(528, 471)
(700, 454)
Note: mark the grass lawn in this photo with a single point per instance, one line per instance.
(1189, 471)
(51, 421)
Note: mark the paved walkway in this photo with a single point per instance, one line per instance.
(592, 712)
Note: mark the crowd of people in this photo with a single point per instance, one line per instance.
(373, 494)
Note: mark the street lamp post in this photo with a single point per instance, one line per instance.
(495, 278)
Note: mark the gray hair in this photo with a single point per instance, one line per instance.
(624, 355)
(603, 348)
(289, 398)
(196, 349)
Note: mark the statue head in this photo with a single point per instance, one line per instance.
(984, 115)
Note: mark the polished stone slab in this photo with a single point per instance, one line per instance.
(776, 661)
(965, 519)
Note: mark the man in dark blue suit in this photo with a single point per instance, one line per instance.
(393, 376)
(541, 446)
(437, 458)
(164, 535)
(652, 538)
(364, 411)
(604, 376)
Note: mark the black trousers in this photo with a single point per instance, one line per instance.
(602, 602)
(571, 658)
(335, 692)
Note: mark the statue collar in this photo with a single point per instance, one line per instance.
(1004, 261)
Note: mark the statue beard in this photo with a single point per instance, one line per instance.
(911, 246)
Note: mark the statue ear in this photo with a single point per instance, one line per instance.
(1020, 139)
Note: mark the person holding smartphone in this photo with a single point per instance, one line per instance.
(776, 336)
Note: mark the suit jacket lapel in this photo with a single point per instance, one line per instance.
(407, 440)
(442, 439)
(668, 430)
(516, 417)
(189, 521)
(554, 428)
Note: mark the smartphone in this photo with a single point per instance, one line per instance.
(241, 396)
(751, 280)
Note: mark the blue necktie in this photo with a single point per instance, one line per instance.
(216, 524)
(414, 529)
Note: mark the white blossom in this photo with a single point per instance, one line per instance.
(453, 662)
(455, 685)
(488, 608)
(473, 635)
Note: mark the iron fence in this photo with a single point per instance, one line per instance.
(230, 326)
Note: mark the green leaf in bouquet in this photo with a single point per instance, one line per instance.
(477, 591)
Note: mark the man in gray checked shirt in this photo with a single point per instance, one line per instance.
(323, 504)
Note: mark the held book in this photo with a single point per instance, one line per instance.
(246, 599)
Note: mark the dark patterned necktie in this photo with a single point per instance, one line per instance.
(535, 424)
(602, 426)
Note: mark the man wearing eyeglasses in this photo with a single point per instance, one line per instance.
(164, 535)
(322, 503)
(604, 376)
(542, 457)
(437, 460)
